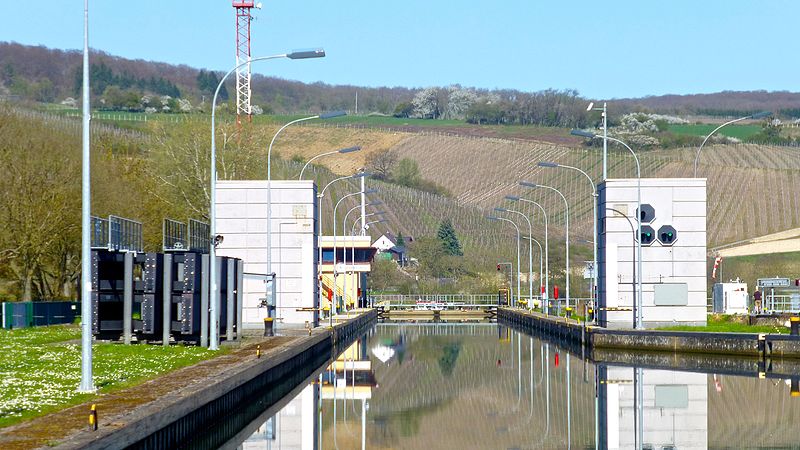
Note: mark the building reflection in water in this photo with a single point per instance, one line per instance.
(463, 386)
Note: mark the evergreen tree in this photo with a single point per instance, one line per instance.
(400, 241)
(449, 240)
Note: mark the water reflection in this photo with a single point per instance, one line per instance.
(473, 386)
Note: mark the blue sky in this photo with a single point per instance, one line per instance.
(604, 49)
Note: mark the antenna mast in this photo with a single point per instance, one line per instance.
(243, 92)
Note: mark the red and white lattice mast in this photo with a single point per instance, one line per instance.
(243, 91)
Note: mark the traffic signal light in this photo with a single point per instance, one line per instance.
(667, 235)
(498, 267)
(647, 213)
(648, 235)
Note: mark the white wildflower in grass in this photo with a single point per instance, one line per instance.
(40, 370)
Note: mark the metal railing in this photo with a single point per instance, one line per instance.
(452, 301)
(781, 304)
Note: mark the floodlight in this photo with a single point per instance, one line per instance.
(305, 54)
(331, 114)
(582, 133)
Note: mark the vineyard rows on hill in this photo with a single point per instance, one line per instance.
(751, 189)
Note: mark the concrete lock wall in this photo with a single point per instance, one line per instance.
(674, 276)
(242, 221)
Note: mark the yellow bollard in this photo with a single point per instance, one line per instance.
(258, 351)
(93, 417)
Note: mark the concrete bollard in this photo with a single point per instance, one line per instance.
(794, 323)
(268, 327)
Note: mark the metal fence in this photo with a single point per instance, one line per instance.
(33, 314)
(777, 304)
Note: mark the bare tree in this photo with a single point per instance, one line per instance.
(382, 163)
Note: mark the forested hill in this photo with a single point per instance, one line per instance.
(51, 75)
(726, 103)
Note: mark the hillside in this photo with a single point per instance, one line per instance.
(753, 189)
(50, 75)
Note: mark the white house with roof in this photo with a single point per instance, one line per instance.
(387, 244)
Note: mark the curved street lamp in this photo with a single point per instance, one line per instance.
(519, 296)
(214, 297)
(335, 285)
(545, 294)
(329, 115)
(541, 258)
(341, 150)
(566, 230)
(530, 252)
(352, 240)
(638, 323)
(594, 217)
(759, 115)
(633, 263)
(319, 232)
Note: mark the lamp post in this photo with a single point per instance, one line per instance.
(638, 295)
(566, 218)
(604, 109)
(530, 238)
(633, 263)
(214, 297)
(352, 241)
(329, 115)
(518, 239)
(353, 231)
(370, 191)
(319, 233)
(594, 217)
(759, 115)
(545, 294)
(341, 150)
(87, 382)
(530, 251)
(366, 225)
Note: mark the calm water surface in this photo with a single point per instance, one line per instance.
(483, 386)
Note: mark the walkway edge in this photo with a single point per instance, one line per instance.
(575, 333)
(172, 419)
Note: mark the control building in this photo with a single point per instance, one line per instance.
(673, 251)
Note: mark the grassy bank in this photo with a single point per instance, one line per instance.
(41, 369)
(729, 324)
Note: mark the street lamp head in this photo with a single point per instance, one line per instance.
(350, 149)
(513, 198)
(360, 174)
(369, 191)
(498, 209)
(306, 54)
(332, 114)
(547, 164)
(376, 203)
(761, 115)
(492, 218)
(582, 133)
(591, 105)
(528, 184)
